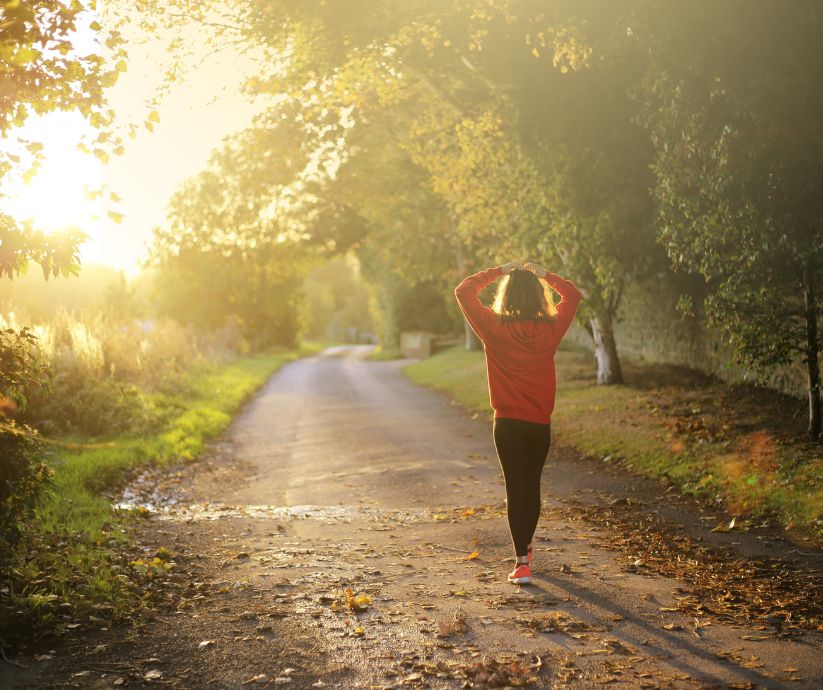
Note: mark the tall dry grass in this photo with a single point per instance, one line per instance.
(109, 374)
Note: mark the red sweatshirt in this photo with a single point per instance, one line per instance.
(519, 354)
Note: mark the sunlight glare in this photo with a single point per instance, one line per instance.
(56, 196)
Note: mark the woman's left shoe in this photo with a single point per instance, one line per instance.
(521, 575)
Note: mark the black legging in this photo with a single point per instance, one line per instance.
(522, 448)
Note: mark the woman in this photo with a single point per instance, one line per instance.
(520, 336)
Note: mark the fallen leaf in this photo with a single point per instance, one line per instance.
(259, 678)
(457, 625)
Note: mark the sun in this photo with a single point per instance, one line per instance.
(56, 197)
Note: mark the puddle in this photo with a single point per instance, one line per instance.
(165, 500)
(174, 510)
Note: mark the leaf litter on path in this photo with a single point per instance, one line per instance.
(721, 584)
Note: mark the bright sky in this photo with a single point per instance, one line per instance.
(193, 121)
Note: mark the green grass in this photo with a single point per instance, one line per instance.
(71, 562)
(706, 438)
(459, 372)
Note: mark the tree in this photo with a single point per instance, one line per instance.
(43, 70)
(406, 238)
(521, 116)
(234, 248)
(519, 113)
(20, 244)
(738, 171)
(566, 71)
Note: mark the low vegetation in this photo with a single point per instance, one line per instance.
(740, 446)
(64, 563)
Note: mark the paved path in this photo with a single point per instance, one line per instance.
(342, 475)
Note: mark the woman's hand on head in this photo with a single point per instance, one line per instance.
(511, 266)
(537, 269)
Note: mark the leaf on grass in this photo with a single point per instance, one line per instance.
(155, 566)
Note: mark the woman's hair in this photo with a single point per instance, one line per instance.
(522, 296)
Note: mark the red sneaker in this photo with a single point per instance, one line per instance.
(521, 575)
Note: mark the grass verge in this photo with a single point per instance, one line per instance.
(741, 446)
(70, 568)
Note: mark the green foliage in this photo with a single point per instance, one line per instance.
(43, 70)
(95, 407)
(738, 174)
(22, 476)
(422, 308)
(463, 133)
(336, 300)
(55, 253)
(493, 107)
(257, 291)
(22, 472)
(235, 248)
(22, 369)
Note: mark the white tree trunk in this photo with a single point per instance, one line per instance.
(605, 351)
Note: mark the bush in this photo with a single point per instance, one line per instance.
(22, 475)
(96, 408)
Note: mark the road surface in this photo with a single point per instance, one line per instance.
(342, 475)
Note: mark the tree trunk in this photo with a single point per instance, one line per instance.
(812, 352)
(605, 351)
(472, 341)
